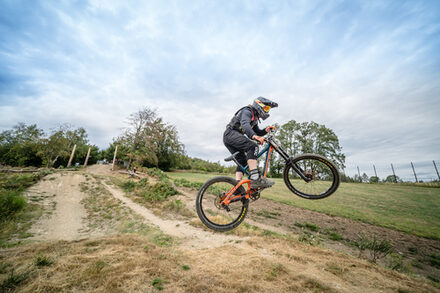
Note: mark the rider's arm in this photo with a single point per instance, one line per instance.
(258, 131)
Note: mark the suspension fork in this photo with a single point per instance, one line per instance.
(289, 161)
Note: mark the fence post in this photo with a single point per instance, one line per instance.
(87, 157)
(436, 170)
(394, 174)
(71, 156)
(114, 158)
(414, 171)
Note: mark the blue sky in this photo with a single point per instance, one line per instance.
(369, 70)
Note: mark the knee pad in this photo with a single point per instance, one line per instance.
(252, 152)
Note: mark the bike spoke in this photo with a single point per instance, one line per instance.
(211, 204)
(319, 174)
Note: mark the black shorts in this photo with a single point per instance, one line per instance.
(238, 142)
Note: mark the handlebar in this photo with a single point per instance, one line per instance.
(269, 137)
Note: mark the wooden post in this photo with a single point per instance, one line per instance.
(71, 156)
(114, 158)
(87, 157)
(375, 173)
(414, 171)
(436, 170)
(394, 174)
(359, 173)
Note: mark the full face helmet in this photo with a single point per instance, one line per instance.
(262, 106)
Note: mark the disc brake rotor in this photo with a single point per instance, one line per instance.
(309, 174)
(218, 200)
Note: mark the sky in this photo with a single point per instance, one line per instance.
(368, 70)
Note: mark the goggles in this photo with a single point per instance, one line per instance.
(265, 107)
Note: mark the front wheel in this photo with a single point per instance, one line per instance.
(322, 176)
(209, 209)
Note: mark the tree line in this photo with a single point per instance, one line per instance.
(146, 141)
(149, 141)
(27, 145)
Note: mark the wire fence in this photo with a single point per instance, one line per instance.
(413, 171)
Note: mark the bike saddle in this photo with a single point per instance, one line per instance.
(231, 157)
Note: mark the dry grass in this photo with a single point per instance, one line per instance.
(107, 215)
(130, 263)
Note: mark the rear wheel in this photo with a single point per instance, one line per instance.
(322, 175)
(209, 209)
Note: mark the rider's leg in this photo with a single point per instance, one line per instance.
(238, 175)
(256, 180)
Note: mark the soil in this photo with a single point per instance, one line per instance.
(189, 236)
(64, 217)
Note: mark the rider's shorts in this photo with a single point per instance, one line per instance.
(236, 141)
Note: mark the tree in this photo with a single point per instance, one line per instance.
(19, 146)
(374, 179)
(149, 141)
(54, 147)
(311, 137)
(392, 178)
(365, 178)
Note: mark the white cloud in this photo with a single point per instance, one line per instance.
(371, 79)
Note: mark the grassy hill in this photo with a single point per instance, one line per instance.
(411, 209)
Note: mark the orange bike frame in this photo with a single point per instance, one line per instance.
(229, 196)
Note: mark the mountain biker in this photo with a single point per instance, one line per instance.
(238, 134)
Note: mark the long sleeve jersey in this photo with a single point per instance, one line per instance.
(246, 122)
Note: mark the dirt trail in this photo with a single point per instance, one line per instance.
(190, 237)
(65, 215)
(64, 220)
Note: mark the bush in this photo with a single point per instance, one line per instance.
(157, 192)
(159, 174)
(161, 190)
(377, 248)
(11, 201)
(128, 185)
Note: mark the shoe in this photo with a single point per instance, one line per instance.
(261, 183)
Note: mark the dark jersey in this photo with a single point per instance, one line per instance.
(246, 122)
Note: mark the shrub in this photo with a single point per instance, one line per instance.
(377, 248)
(42, 260)
(396, 263)
(11, 201)
(155, 172)
(157, 192)
(128, 185)
(13, 281)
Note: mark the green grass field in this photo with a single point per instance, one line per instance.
(411, 209)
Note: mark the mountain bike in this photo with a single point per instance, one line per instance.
(222, 202)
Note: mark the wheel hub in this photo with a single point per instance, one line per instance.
(218, 201)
